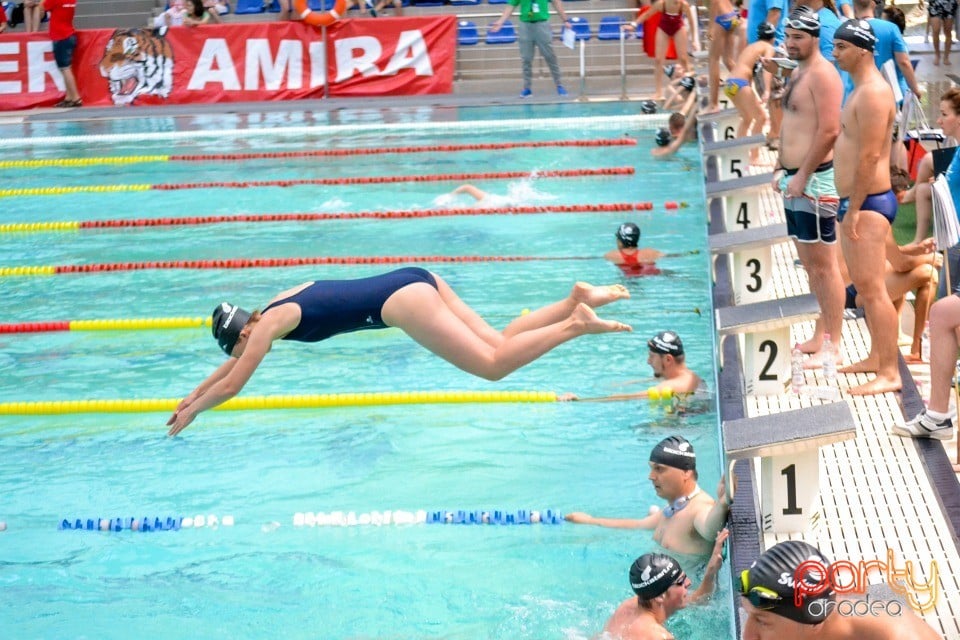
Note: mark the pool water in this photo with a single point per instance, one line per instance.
(263, 576)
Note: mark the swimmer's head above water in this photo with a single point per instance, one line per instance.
(228, 321)
(653, 573)
(769, 584)
(663, 137)
(628, 234)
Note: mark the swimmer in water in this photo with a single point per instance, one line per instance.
(662, 589)
(412, 299)
(631, 259)
(772, 612)
(691, 520)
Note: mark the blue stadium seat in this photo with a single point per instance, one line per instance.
(496, 1)
(506, 35)
(580, 26)
(428, 3)
(610, 28)
(467, 33)
(464, 3)
(249, 6)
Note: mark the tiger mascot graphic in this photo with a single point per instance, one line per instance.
(137, 62)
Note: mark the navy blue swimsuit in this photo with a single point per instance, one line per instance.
(329, 307)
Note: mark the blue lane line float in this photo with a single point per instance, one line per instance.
(145, 523)
(460, 516)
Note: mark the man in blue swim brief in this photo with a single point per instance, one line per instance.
(861, 152)
(411, 299)
(728, 21)
(883, 203)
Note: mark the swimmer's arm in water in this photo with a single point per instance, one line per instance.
(478, 194)
(650, 522)
(709, 584)
(690, 111)
(225, 383)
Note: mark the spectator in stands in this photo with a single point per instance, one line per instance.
(534, 33)
(64, 38)
(197, 14)
(3, 19)
(216, 8)
(383, 4)
(361, 4)
(173, 17)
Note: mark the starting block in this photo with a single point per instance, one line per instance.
(741, 199)
(788, 445)
(732, 155)
(765, 327)
(721, 125)
(751, 260)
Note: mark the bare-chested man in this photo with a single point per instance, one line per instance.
(690, 522)
(739, 84)
(867, 206)
(662, 589)
(811, 123)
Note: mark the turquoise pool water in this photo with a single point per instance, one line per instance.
(263, 576)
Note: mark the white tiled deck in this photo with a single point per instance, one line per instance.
(875, 494)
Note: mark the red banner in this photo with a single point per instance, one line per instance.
(235, 63)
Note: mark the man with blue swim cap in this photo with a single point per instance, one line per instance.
(792, 572)
(691, 519)
(662, 588)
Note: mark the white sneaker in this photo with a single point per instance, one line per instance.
(923, 426)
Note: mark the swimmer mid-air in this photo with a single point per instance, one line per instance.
(412, 299)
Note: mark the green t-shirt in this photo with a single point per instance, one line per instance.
(532, 10)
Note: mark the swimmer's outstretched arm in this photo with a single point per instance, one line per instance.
(709, 584)
(223, 384)
(650, 522)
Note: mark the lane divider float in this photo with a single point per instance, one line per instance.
(397, 517)
(21, 227)
(262, 403)
(116, 324)
(313, 153)
(144, 524)
(357, 180)
(322, 132)
(257, 263)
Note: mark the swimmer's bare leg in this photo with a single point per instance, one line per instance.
(419, 310)
(582, 292)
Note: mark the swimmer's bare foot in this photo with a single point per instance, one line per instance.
(710, 108)
(590, 322)
(946, 60)
(870, 365)
(812, 345)
(877, 385)
(815, 361)
(936, 60)
(597, 296)
(913, 358)
(658, 95)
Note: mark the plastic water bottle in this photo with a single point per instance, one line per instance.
(796, 369)
(925, 343)
(829, 360)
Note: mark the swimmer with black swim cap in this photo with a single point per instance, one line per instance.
(228, 321)
(649, 107)
(857, 32)
(630, 259)
(662, 588)
(691, 519)
(767, 591)
(663, 137)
